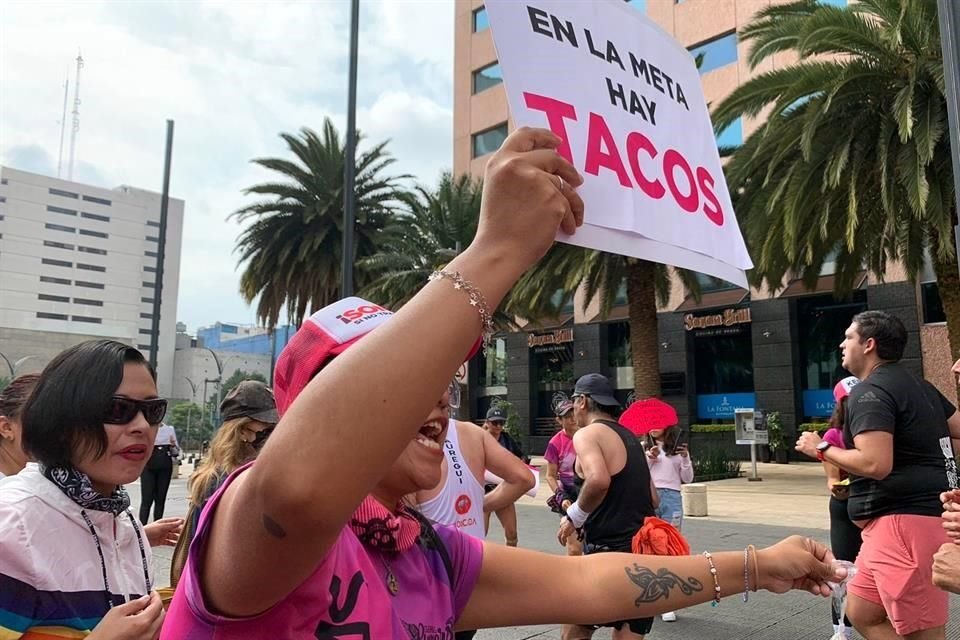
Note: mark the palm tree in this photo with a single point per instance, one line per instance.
(853, 162)
(435, 225)
(292, 249)
(566, 267)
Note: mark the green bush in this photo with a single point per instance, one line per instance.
(819, 427)
(712, 428)
(715, 464)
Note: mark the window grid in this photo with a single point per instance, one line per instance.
(488, 141)
(153, 223)
(93, 234)
(94, 250)
(58, 245)
(59, 227)
(102, 201)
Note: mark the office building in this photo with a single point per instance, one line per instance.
(79, 261)
(734, 347)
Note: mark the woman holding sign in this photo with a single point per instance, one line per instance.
(312, 540)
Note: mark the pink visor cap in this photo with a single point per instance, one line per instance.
(322, 337)
(842, 388)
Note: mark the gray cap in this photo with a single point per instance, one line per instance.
(496, 414)
(250, 399)
(597, 387)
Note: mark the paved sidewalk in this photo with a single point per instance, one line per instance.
(790, 499)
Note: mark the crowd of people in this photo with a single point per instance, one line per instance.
(348, 501)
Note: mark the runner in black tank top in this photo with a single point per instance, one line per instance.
(628, 501)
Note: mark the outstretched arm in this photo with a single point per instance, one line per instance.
(517, 479)
(519, 587)
(277, 521)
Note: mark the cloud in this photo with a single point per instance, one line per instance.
(233, 75)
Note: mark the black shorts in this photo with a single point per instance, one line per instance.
(641, 626)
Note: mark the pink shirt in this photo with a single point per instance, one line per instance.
(560, 452)
(669, 472)
(345, 597)
(835, 437)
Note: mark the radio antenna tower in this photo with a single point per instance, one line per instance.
(63, 125)
(76, 116)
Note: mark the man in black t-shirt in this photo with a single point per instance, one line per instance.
(900, 458)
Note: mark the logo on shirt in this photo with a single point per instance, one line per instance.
(869, 396)
(428, 631)
(462, 504)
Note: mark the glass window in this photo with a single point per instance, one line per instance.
(50, 280)
(55, 263)
(146, 332)
(724, 360)
(147, 300)
(932, 304)
(65, 194)
(146, 316)
(821, 322)
(93, 234)
(640, 5)
(89, 285)
(488, 141)
(489, 76)
(149, 285)
(618, 345)
(88, 302)
(493, 368)
(66, 212)
(717, 53)
(58, 245)
(480, 20)
(152, 223)
(144, 347)
(732, 136)
(709, 284)
(49, 298)
(94, 216)
(59, 227)
(150, 254)
(152, 239)
(87, 319)
(99, 252)
(150, 269)
(103, 201)
(52, 316)
(91, 267)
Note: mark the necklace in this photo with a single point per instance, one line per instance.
(393, 585)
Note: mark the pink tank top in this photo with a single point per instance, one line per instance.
(345, 597)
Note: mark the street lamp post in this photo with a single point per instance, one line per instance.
(12, 366)
(219, 381)
(950, 42)
(193, 401)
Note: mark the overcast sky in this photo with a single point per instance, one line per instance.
(232, 75)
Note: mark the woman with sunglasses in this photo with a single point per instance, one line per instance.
(74, 560)
(312, 540)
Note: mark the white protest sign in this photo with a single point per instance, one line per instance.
(626, 98)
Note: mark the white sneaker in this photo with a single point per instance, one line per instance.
(669, 616)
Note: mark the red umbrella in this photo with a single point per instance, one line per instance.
(643, 416)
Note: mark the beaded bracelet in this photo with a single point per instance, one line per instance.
(716, 579)
(476, 299)
(756, 567)
(746, 574)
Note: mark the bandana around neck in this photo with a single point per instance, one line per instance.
(77, 487)
(377, 527)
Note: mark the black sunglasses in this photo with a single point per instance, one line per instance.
(124, 410)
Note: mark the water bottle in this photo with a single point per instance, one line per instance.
(839, 599)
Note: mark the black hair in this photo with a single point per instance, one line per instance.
(65, 412)
(595, 407)
(671, 438)
(886, 330)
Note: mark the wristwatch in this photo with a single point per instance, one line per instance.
(821, 449)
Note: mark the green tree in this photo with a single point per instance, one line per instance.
(4, 382)
(435, 224)
(185, 417)
(292, 248)
(853, 162)
(609, 278)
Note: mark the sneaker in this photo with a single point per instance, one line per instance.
(669, 616)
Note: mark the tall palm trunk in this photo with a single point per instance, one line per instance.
(948, 282)
(642, 305)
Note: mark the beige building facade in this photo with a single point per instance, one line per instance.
(790, 334)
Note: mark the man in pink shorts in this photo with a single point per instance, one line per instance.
(900, 458)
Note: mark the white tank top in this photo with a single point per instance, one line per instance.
(460, 501)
